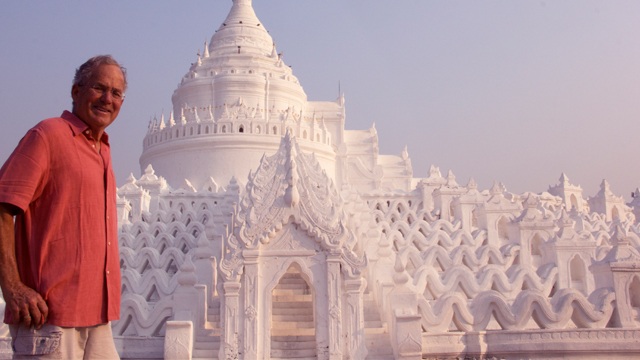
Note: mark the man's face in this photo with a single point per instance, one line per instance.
(94, 102)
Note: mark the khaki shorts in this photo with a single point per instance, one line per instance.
(55, 342)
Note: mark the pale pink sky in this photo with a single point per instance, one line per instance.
(514, 91)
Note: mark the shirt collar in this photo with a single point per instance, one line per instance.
(78, 126)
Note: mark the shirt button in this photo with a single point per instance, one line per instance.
(107, 217)
(107, 272)
(87, 132)
(109, 243)
(94, 145)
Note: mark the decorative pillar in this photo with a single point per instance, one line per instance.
(178, 340)
(231, 306)
(406, 330)
(333, 296)
(250, 338)
(206, 266)
(231, 269)
(354, 319)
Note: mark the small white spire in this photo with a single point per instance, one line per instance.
(162, 124)
(206, 50)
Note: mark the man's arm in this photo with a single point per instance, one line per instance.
(25, 304)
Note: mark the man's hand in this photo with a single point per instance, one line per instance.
(25, 304)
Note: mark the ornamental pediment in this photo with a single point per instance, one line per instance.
(290, 187)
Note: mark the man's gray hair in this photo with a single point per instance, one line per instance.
(84, 72)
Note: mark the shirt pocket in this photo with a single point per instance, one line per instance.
(37, 342)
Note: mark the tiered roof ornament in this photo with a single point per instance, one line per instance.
(607, 203)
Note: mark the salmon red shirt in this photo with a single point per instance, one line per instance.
(66, 235)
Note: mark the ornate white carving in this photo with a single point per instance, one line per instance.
(410, 346)
(290, 185)
(251, 313)
(335, 312)
(231, 267)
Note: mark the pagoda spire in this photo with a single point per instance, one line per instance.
(206, 50)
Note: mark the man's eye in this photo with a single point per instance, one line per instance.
(117, 94)
(97, 88)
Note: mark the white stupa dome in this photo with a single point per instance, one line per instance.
(233, 106)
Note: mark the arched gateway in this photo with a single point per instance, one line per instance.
(290, 224)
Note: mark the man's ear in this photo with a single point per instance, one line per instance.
(75, 92)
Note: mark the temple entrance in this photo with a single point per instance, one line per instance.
(293, 326)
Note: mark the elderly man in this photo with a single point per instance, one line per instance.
(59, 262)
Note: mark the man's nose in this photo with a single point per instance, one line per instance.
(107, 97)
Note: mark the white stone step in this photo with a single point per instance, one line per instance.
(292, 321)
(292, 324)
(382, 330)
(280, 292)
(293, 332)
(292, 305)
(292, 317)
(207, 345)
(371, 317)
(293, 344)
(373, 324)
(212, 325)
(213, 312)
(293, 285)
(292, 354)
(207, 333)
(290, 280)
(292, 298)
(307, 310)
(371, 310)
(292, 338)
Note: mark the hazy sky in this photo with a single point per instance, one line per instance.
(514, 91)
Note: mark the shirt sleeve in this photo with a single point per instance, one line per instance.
(22, 175)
